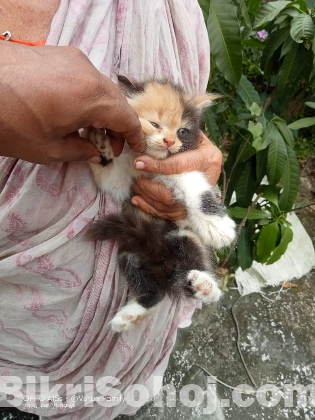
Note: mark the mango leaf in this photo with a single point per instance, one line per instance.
(310, 104)
(246, 185)
(255, 109)
(225, 39)
(270, 134)
(268, 12)
(299, 5)
(245, 249)
(247, 92)
(254, 43)
(261, 164)
(286, 238)
(287, 46)
(273, 43)
(271, 193)
(245, 14)
(255, 129)
(291, 181)
(286, 133)
(303, 123)
(210, 120)
(240, 212)
(253, 6)
(247, 153)
(277, 158)
(205, 6)
(267, 241)
(302, 28)
(291, 68)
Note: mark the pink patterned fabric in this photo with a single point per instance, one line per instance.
(58, 291)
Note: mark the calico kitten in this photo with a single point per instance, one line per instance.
(161, 256)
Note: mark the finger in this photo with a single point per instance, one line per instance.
(153, 191)
(117, 142)
(72, 148)
(147, 208)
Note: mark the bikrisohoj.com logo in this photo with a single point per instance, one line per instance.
(38, 393)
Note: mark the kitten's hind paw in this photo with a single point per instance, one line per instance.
(216, 231)
(205, 287)
(128, 316)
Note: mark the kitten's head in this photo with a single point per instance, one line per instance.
(170, 117)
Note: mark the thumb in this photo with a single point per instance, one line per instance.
(76, 148)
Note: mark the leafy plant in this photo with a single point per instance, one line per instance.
(263, 59)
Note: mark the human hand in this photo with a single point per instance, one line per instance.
(47, 94)
(155, 198)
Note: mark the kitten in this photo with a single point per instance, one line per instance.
(161, 256)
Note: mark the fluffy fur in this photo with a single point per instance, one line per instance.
(159, 256)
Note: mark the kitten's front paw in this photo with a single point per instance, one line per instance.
(205, 287)
(128, 316)
(101, 142)
(217, 231)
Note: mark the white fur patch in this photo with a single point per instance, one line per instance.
(214, 230)
(205, 286)
(128, 316)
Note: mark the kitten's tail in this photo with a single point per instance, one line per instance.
(131, 228)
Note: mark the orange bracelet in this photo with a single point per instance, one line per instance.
(32, 44)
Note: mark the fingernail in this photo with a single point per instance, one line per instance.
(95, 159)
(134, 201)
(139, 165)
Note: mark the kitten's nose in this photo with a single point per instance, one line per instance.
(168, 142)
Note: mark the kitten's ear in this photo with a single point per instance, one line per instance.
(127, 87)
(203, 101)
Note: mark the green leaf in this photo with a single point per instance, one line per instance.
(255, 109)
(271, 193)
(247, 92)
(286, 133)
(277, 157)
(245, 14)
(253, 6)
(204, 5)
(255, 129)
(302, 28)
(273, 43)
(247, 153)
(286, 238)
(268, 12)
(246, 185)
(303, 123)
(225, 39)
(291, 69)
(261, 164)
(310, 104)
(300, 5)
(287, 46)
(244, 249)
(266, 241)
(270, 134)
(291, 181)
(254, 43)
(210, 120)
(240, 212)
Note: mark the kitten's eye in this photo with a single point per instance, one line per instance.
(154, 124)
(182, 132)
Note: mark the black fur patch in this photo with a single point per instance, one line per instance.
(154, 258)
(104, 161)
(209, 204)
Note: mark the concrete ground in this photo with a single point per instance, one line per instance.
(277, 340)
